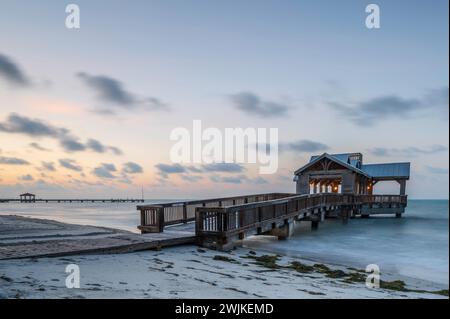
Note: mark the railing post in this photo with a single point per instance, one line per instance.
(225, 221)
(219, 221)
(160, 218)
(142, 217)
(184, 213)
(198, 221)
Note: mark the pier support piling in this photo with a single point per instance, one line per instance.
(285, 231)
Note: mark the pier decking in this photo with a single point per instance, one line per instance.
(219, 222)
(22, 237)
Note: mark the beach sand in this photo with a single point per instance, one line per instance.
(191, 272)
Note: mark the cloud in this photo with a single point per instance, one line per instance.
(109, 167)
(407, 151)
(13, 161)
(165, 169)
(17, 124)
(125, 180)
(115, 150)
(371, 111)
(437, 97)
(191, 178)
(221, 167)
(70, 164)
(48, 166)
(191, 173)
(259, 180)
(72, 144)
(437, 170)
(132, 168)
(252, 104)
(33, 127)
(96, 146)
(38, 147)
(227, 179)
(113, 91)
(105, 171)
(239, 179)
(12, 73)
(303, 146)
(26, 178)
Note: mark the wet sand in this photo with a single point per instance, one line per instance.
(190, 272)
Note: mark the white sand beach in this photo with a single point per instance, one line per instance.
(192, 272)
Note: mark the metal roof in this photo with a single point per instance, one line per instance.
(342, 157)
(334, 158)
(387, 170)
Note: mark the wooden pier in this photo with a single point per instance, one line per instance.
(220, 222)
(71, 200)
(328, 186)
(218, 227)
(155, 217)
(24, 237)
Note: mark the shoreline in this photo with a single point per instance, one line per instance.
(192, 272)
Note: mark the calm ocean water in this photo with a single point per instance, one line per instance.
(416, 245)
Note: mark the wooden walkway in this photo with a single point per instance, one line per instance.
(220, 222)
(75, 242)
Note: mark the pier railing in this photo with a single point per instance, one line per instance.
(238, 218)
(155, 217)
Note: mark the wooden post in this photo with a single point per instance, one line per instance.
(160, 216)
(184, 213)
(402, 186)
(345, 211)
(142, 217)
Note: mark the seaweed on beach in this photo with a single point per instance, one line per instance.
(328, 272)
(355, 277)
(225, 258)
(267, 261)
(398, 285)
(443, 292)
(6, 278)
(300, 267)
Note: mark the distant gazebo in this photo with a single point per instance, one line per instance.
(27, 198)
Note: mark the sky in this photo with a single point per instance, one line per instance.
(89, 111)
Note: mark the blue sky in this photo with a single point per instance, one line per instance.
(381, 92)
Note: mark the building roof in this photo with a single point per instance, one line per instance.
(27, 194)
(387, 170)
(344, 157)
(353, 161)
(315, 159)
